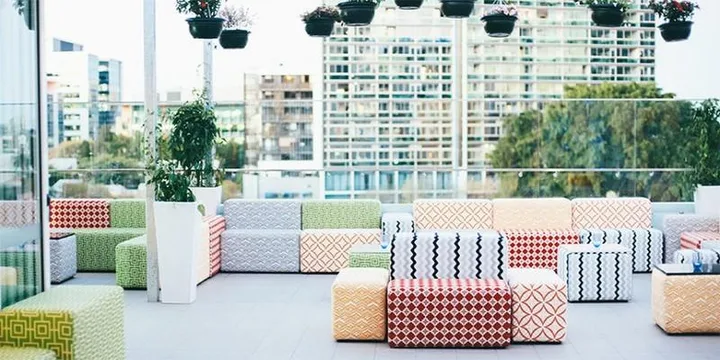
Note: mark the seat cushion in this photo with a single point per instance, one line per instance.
(127, 213)
(532, 214)
(96, 247)
(79, 213)
(537, 248)
(260, 251)
(453, 214)
(609, 213)
(326, 250)
(341, 214)
(262, 214)
(646, 244)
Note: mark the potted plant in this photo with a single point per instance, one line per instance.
(358, 12)
(321, 21)
(677, 14)
(235, 29)
(205, 24)
(192, 139)
(409, 4)
(703, 156)
(610, 13)
(456, 9)
(177, 224)
(500, 21)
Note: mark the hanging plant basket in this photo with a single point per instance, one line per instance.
(234, 39)
(320, 27)
(676, 31)
(499, 25)
(205, 28)
(607, 15)
(409, 4)
(457, 9)
(357, 13)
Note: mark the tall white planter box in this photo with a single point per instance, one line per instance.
(210, 198)
(177, 226)
(707, 200)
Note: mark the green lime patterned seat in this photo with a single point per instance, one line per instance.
(96, 247)
(341, 214)
(131, 257)
(26, 354)
(75, 322)
(127, 214)
(369, 256)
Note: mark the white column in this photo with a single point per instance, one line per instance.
(208, 46)
(43, 142)
(151, 116)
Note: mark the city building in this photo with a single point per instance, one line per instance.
(109, 91)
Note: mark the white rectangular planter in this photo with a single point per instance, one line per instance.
(210, 198)
(178, 226)
(707, 200)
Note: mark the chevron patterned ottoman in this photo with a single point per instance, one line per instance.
(685, 301)
(369, 256)
(707, 256)
(326, 250)
(449, 313)
(646, 244)
(63, 257)
(537, 248)
(393, 223)
(260, 251)
(358, 301)
(539, 305)
(596, 274)
(694, 240)
(28, 353)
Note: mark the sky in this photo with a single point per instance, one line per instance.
(278, 43)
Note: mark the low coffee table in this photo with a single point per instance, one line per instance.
(369, 256)
(63, 256)
(685, 300)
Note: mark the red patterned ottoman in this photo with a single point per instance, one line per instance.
(79, 213)
(537, 248)
(539, 305)
(448, 313)
(694, 240)
(217, 225)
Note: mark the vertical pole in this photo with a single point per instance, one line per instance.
(151, 116)
(208, 90)
(39, 17)
(457, 102)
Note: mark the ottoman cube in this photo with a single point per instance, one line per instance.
(260, 251)
(63, 257)
(646, 244)
(449, 313)
(8, 276)
(596, 274)
(96, 247)
(326, 250)
(369, 256)
(686, 302)
(707, 256)
(76, 322)
(131, 258)
(393, 223)
(694, 240)
(8, 353)
(358, 300)
(455, 214)
(539, 305)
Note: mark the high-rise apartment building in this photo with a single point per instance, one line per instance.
(414, 96)
(109, 91)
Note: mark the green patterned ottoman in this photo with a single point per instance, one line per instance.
(76, 322)
(96, 247)
(369, 256)
(131, 268)
(26, 354)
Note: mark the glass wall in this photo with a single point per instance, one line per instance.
(20, 190)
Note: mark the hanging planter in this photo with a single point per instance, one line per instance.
(456, 9)
(678, 14)
(321, 21)
(607, 13)
(237, 21)
(500, 21)
(358, 12)
(409, 4)
(205, 24)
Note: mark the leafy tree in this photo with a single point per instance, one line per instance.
(231, 155)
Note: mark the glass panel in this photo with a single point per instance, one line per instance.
(20, 229)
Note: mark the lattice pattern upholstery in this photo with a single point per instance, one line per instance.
(675, 225)
(537, 248)
(686, 303)
(261, 251)
(694, 240)
(539, 305)
(341, 214)
(96, 247)
(8, 353)
(217, 225)
(534, 214)
(63, 257)
(596, 274)
(453, 214)
(79, 213)
(326, 250)
(131, 258)
(707, 256)
(76, 322)
(369, 256)
(15, 214)
(611, 213)
(448, 313)
(393, 223)
(358, 302)
(646, 244)
(449, 255)
(262, 214)
(127, 213)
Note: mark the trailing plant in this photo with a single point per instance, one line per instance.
(236, 18)
(672, 10)
(377, 2)
(201, 8)
(170, 186)
(503, 9)
(194, 133)
(322, 12)
(19, 6)
(703, 153)
(622, 5)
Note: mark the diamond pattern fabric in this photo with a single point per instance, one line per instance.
(537, 248)
(453, 214)
(79, 213)
(326, 250)
(539, 305)
(675, 225)
(686, 304)
(358, 301)
(532, 214)
(611, 213)
(15, 214)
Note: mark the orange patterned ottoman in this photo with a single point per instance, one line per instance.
(685, 301)
(448, 313)
(326, 250)
(539, 305)
(694, 240)
(358, 304)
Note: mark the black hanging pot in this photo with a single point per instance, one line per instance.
(355, 13)
(457, 9)
(607, 15)
(234, 39)
(499, 25)
(320, 27)
(409, 4)
(205, 28)
(676, 31)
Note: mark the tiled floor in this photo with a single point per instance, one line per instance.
(277, 317)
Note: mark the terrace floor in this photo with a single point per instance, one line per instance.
(278, 317)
